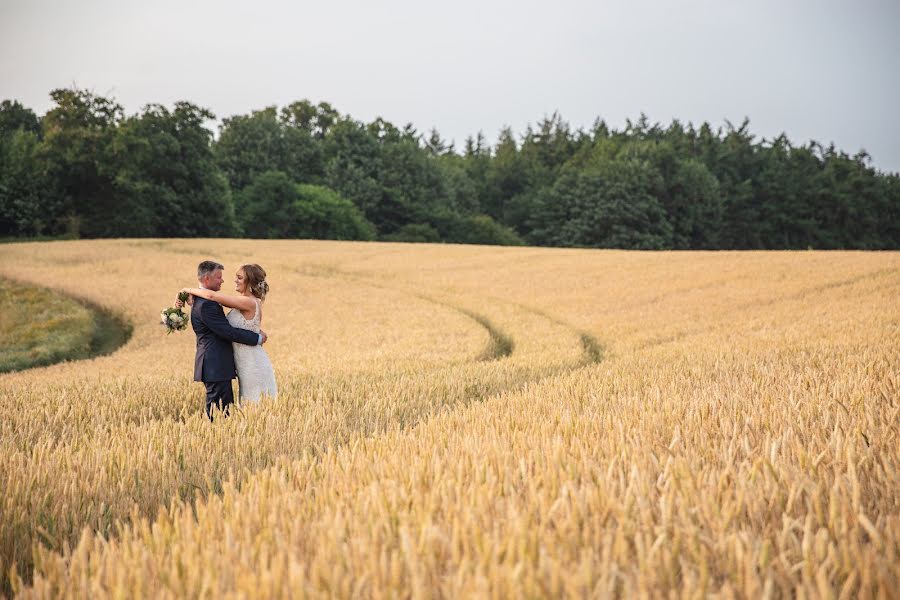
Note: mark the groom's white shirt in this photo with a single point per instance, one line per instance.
(258, 335)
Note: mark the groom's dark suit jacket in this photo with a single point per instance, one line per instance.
(215, 359)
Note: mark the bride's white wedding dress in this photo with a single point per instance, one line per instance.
(256, 378)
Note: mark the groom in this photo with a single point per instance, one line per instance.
(214, 363)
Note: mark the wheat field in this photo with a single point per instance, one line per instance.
(463, 421)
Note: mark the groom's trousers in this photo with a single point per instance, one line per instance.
(218, 394)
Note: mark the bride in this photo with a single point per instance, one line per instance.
(256, 378)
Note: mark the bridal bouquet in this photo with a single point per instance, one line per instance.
(174, 319)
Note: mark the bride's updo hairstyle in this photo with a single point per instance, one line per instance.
(255, 277)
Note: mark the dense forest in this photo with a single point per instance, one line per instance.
(87, 170)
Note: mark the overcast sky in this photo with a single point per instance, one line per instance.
(820, 70)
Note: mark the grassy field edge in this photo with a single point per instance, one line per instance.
(83, 330)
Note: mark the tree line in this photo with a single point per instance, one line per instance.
(85, 169)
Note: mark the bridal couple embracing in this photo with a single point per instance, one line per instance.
(230, 346)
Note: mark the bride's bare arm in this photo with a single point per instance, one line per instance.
(238, 302)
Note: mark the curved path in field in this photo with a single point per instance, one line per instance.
(109, 333)
(500, 343)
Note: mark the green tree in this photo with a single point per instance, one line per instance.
(886, 206)
(321, 213)
(384, 172)
(547, 149)
(460, 193)
(506, 177)
(167, 179)
(436, 146)
(27, 203)
(850, 205)
(735, 160)
(482, 229)
(273, 206)
(612, 205)
(476, 162)
(412, 185)
(77, 135)
(250, 145)
(414, 232)
(353, 166)
(265, 207)
(315, 120)
(14, 117)
(694, 206)
(473, 229)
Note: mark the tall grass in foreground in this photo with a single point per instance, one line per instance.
(685, 424)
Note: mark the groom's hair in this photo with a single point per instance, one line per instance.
(207, 267)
